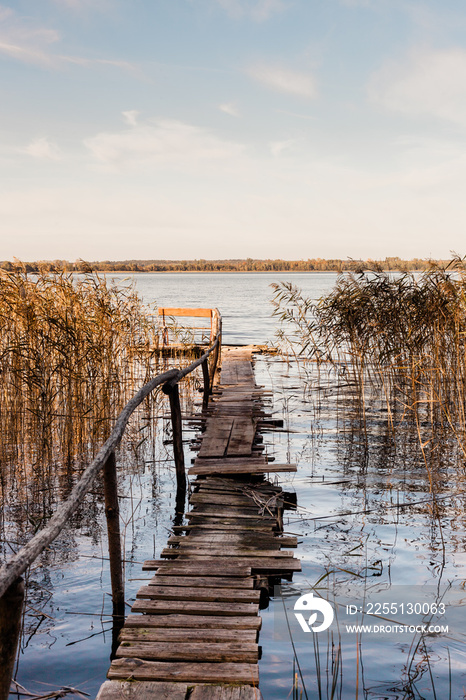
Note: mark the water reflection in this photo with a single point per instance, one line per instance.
(366, 522)
(370, 529)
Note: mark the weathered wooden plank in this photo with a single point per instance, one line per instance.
(216, 539)
(222, 692)
(248, 538)
(136, 669)
(233, 460)
(228, 546)
(225, 491)
(229, 499)
(234, 395)
(196, 313)
(200, 606)
(227, 485)
(177, 620)
(239, 409)
(257, 564)
(124, 690)
(196, 593)
(202, 581)
(223, 526)
(246, 652)
(197, 568)
(233, 482)
(235, 511)
(245, 468)
(165, 607)
(268, 540)
(186, 634)
(216, 436)
(242, 436)
(226, 551)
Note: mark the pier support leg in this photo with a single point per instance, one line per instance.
(175, 409)
(11, 608)
(206, 377)
(112, 512)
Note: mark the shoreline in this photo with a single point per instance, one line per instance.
(235, 272)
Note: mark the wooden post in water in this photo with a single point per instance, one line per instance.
(175, 409)
(11, 608)
(206, 376)
(112, 512)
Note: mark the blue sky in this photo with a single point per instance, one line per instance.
(232, 128)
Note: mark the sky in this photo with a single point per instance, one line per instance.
(182, 129)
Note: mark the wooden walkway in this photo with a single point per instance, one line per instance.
(195, 628)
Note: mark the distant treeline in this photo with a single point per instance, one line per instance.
(236, 265)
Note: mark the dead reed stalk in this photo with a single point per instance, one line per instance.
(403, 336)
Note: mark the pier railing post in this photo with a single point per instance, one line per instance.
(218, 350)
(177, 430)
(11, 608)
(112, 512)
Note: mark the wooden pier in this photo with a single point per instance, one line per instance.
(195, 625)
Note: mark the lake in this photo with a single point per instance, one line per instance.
(366, 527)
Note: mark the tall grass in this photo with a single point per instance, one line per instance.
(72, 349)
(403, 336)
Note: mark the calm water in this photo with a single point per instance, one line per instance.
(364, 521)
(242, 298)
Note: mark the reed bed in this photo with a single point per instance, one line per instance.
(402, 337)
(73, 350)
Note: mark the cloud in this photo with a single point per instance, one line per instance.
(23, 40)
(130, 117)
(426, 82)
(80, 5)
(277, 147)
(229, 108)
(357, 3)
(284, 80)
(257, 10)
(42, 148)
(164, 142)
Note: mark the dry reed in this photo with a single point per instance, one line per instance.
(403, 336)
(72, 350)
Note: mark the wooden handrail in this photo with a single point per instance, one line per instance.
(18, 564)
(165, 312)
